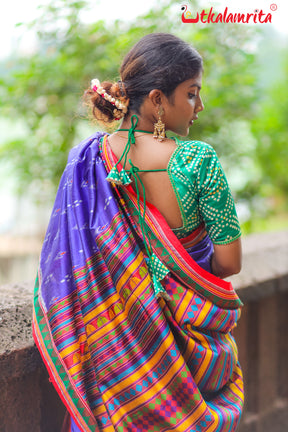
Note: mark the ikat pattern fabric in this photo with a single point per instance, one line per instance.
(120, 359)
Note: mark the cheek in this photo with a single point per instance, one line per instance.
(191, 102)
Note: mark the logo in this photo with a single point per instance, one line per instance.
(257, 17)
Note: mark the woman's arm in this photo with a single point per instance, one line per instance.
(227, 259)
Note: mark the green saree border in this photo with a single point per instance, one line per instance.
(57, 371)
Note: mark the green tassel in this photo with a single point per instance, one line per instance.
(157, 271)
(125, 178)
(114, 176)
(157, 267)
(159, 289)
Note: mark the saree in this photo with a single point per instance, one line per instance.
(120, 358)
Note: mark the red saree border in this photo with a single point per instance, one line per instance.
(158, 225)
(195, 237)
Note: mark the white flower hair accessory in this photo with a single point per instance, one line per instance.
(121, 109)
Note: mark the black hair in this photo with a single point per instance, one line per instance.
(158, 61)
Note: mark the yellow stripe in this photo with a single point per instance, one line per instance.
(74, 347)
(154, 389)
(208, 355)
(215, 423)
(192, 419)
(136, 263)
(108, 428)
(75, 369)
(203, 314)
(146, 369)
(117, 320)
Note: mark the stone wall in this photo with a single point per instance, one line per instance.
(262, 332)
(29, 403)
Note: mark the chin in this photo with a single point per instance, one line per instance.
(183, 133)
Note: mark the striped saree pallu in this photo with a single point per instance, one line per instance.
(120, 358)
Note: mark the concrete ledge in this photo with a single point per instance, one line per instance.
(28, 401)
(265, 266)
(15, 317)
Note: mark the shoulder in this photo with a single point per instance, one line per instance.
(89, 144)
(86, 150)
(83, 155)
(192, 154)
(193, 147)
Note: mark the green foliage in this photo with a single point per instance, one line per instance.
(270, 128)
(45, 89)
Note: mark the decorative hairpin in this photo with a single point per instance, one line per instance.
(96, 86)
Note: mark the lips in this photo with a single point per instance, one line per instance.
(191, 121)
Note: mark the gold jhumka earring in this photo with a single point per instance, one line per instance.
(159, 127)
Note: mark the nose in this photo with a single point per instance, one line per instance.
(200, 106)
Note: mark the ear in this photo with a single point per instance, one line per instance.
(156, 97)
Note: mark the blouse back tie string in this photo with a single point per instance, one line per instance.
(156, 268)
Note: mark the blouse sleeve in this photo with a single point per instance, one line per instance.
(216, 204)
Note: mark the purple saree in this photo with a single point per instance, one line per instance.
(121, 359)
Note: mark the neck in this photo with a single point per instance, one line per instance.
(143, 123)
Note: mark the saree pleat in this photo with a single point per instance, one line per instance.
(120, 359)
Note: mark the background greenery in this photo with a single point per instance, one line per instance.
(245, 96)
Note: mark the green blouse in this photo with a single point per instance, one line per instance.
(202, 192)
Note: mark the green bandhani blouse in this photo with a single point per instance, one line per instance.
(202, 192)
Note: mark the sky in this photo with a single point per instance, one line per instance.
(24, 11)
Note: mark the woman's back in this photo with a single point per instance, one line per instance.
(150, 154)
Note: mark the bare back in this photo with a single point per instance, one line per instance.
(148, 154)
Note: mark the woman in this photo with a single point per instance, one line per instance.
(131, 315)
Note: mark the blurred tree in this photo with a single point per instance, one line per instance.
(230, 98)
(45, 88)
(270, 128)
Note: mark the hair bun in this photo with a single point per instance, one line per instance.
(107, 100)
